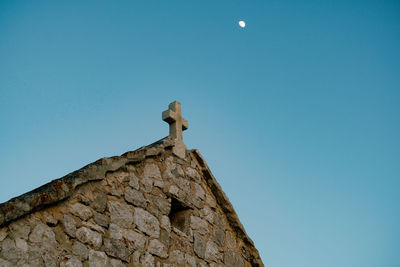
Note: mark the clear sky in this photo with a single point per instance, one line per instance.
(297, 114)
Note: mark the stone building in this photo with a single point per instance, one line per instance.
(157, 206)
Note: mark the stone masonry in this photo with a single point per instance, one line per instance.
(148, 207)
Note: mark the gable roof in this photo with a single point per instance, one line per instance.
(62, 188)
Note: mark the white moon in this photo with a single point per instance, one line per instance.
(242, 24)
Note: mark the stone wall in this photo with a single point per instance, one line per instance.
(157, 211)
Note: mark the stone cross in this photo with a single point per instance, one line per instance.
(177, 124)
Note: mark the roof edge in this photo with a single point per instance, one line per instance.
(62, 188)
(250, 250)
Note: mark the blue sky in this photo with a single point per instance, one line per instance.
(297, 114)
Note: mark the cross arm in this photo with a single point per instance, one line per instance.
(185, 124)
(169, 116)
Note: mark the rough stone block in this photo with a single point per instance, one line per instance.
(147, 223)
(81, 211)
(69, 225)
(233, 259)
(198, 225)
(101, 219)
(90, 237)
(157, 248)
(137, 240)
(120, 213)
(151, 171)
(135, 197)
(212, 252)
(147, 260)
(44, 235)
(72, 262)
(117, 249)
(97, 259)
(80, 250)
(199, 245)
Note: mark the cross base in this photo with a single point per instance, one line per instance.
(179, 149)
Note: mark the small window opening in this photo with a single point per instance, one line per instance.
(180, 216)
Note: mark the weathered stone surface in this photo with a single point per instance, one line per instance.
(165, 223)
(157, 248)
(101, 219)
(203, 264)
(117, 249)
(3, 233)
(5, 263)
(147, 223)
(230, 240)
(219, 220)
(151, 171)
(147, 260)
(177, 257)
(120, 213)
(198, 225)
(115, 231)
(198, 194)
(163, 204)
(81, 211)
(138, 239)
(183, 184)
(116, 180)
(165, 238)
(50, 220)
(10, 251)
(69, 225)
(135, 197)
(199, 245)
(33, 257)
(50, 258)
(152, 152)
(146, 184)
(99, 203)
(159, 183)
(21, 244)
(174, 190)
(90, 237)
(94, 227)
(116, 263)
(198, 191)
(72, 262)
(178, 172)
(208, 214)
(44, 235)
(210, 201)
(212, 252)
(218, 237)
(233, 259)
(193, 174)
(19, 230)
(170, 164)
(97, 259)
(80, 250)
(190, 261)
(136, 258)
(133, 181)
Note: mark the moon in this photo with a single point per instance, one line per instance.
(242, 24)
